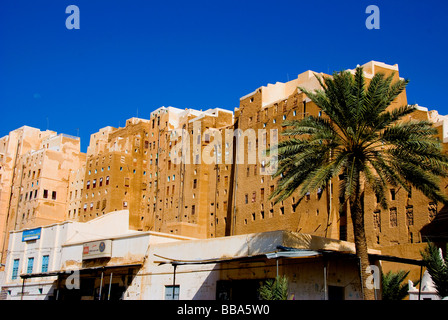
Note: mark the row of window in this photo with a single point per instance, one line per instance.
(272, 188)
(98, 203)
(393, 216)
(34, 174)
(33, 195)
(100, 182)
(282, 110)
(29, 266)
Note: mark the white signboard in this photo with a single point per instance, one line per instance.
(97, 249)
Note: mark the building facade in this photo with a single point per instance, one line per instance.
(36, 174)
(199, 174)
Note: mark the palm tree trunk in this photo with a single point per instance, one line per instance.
(357, 214)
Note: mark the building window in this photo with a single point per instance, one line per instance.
(88, 184)
(195, 183)
(125, 204)
(45, 260)
(101, 181)
(45, 194)
(246, 197)
(94, 183)
(392, 194)
(15, 269)
(432, 210)
(410, 215)
(377, 219)
(107, 180)
(53, 195)
(393, 217)
(29, 268)
(172, 292)
(343, 232)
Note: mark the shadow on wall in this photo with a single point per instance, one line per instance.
(262, 243)
(437, 230)
(234, 280)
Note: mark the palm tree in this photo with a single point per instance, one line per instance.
(274, 289)
(363, 142)
(393, 288)
(437, 266)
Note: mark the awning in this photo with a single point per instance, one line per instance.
(60, 272)
(293, 254)
(204, 261)
(39, 275)
(288, 253)
(284, 253)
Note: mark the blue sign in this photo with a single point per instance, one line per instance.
(32, 234)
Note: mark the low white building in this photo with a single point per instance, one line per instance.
(70, 260)
(103, 260)
(234, 267)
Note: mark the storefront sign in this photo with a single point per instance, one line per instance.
(32, 234)
(97, 249)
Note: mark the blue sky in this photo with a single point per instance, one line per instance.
(141, 55)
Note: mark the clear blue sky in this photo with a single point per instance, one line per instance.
(141, 54)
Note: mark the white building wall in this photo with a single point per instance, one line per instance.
(63, 243)
(198, 281)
